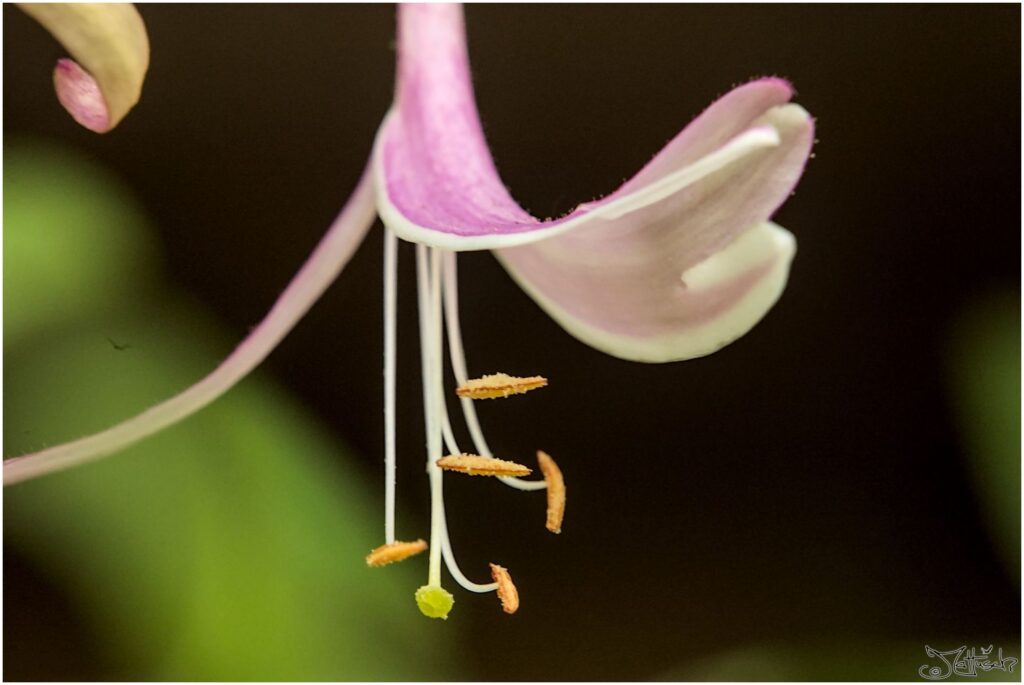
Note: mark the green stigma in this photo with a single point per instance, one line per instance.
(434, 601)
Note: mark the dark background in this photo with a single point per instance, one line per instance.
(805, 484)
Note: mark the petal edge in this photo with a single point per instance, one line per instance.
(751, 273)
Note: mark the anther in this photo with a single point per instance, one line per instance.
(394, 551)
(499, 385)
(507, 592)
(556, 491)
(474, 465)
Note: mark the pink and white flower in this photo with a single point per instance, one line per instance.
(678, 262)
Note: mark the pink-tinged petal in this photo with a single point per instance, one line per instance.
(81, 96)
(436, 180)
(727, 117)
(681, 278)
(433, 167)
(321, 268)
(675, 264)
(111, 55)
(664, 315)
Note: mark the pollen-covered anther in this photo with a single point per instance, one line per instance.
(394, 551)
(507, 592)
(499, 385)
(556, 491)
(474, 465)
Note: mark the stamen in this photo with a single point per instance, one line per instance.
(499, 385)
(390, 328)
(458, 358)
(556, 491)
(394, 551)
(474, 465)
(507, 592)
(432, 600)
(423, 303)
(455, 571)
(446, 427)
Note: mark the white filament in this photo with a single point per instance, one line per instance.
(449, 436)
(453, 568)
(458, 357)
(390, 327)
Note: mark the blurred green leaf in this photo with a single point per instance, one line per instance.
(985, 384)
(229, 547)
(75, 242)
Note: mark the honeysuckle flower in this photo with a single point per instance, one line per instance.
(679, 261)
(676, 263)
(110, 44)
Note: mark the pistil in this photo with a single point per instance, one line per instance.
(436, 280)
(430, 340)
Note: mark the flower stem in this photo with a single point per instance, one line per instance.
(321, 268)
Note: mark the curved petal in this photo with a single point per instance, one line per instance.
(321, 268)
(675, 264)
(681, 278)
(663, 315)
(109, 41)
(436, 180)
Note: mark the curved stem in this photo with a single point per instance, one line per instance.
(321, 268)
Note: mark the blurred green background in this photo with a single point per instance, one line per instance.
(229, 548)
(815, 502)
